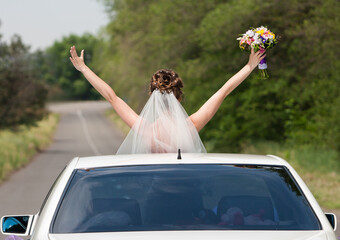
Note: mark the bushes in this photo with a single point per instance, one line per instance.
(22, 96)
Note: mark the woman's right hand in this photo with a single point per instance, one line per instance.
(256, 57)
(78, 62)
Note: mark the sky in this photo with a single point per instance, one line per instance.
(41, 22)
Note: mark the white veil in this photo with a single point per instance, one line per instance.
(162, 127)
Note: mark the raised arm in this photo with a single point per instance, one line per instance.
(123, 110)
(210, 107)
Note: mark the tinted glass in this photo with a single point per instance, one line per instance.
(183, 197)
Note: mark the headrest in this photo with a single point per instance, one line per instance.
(129, 206)
(248, 204)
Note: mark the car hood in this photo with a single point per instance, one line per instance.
(197, 235)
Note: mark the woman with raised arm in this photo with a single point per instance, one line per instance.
(163, 126)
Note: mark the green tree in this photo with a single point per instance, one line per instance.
(299, 104)
(145, 36)
(22, 95)
(64, 81)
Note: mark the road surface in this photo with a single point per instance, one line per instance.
(83, 130)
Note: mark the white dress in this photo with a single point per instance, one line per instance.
(162, 127)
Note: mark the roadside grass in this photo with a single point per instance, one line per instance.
(114, 117)
(319, 168)
(17, 147)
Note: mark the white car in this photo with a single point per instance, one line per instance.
(168, 196)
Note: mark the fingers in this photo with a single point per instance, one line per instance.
(263, 56)
(82, 54)
(73, 52)
(259, 53)
(252, 51)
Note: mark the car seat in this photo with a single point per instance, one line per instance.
(248, 204)
(172, 202)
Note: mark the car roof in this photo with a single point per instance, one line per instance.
(171, 158)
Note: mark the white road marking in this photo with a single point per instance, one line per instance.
(87, 134)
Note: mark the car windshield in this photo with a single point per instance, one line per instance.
(183, 197)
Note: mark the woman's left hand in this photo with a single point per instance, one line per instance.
(256, 57)
(78, 62)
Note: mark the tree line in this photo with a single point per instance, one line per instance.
(298, 104)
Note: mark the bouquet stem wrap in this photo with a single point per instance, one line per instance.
(263, 68)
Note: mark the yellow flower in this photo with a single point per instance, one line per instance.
(260, 32)
(271, 33)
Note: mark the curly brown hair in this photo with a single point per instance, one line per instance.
(166, 80)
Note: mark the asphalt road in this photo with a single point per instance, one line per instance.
(83, 130)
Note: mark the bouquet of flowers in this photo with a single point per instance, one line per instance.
(260, 39)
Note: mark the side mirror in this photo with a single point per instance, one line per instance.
(17, 225)
(332, 220)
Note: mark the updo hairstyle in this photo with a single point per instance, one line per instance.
(167, 81)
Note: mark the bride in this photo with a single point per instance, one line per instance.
(163, 126)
